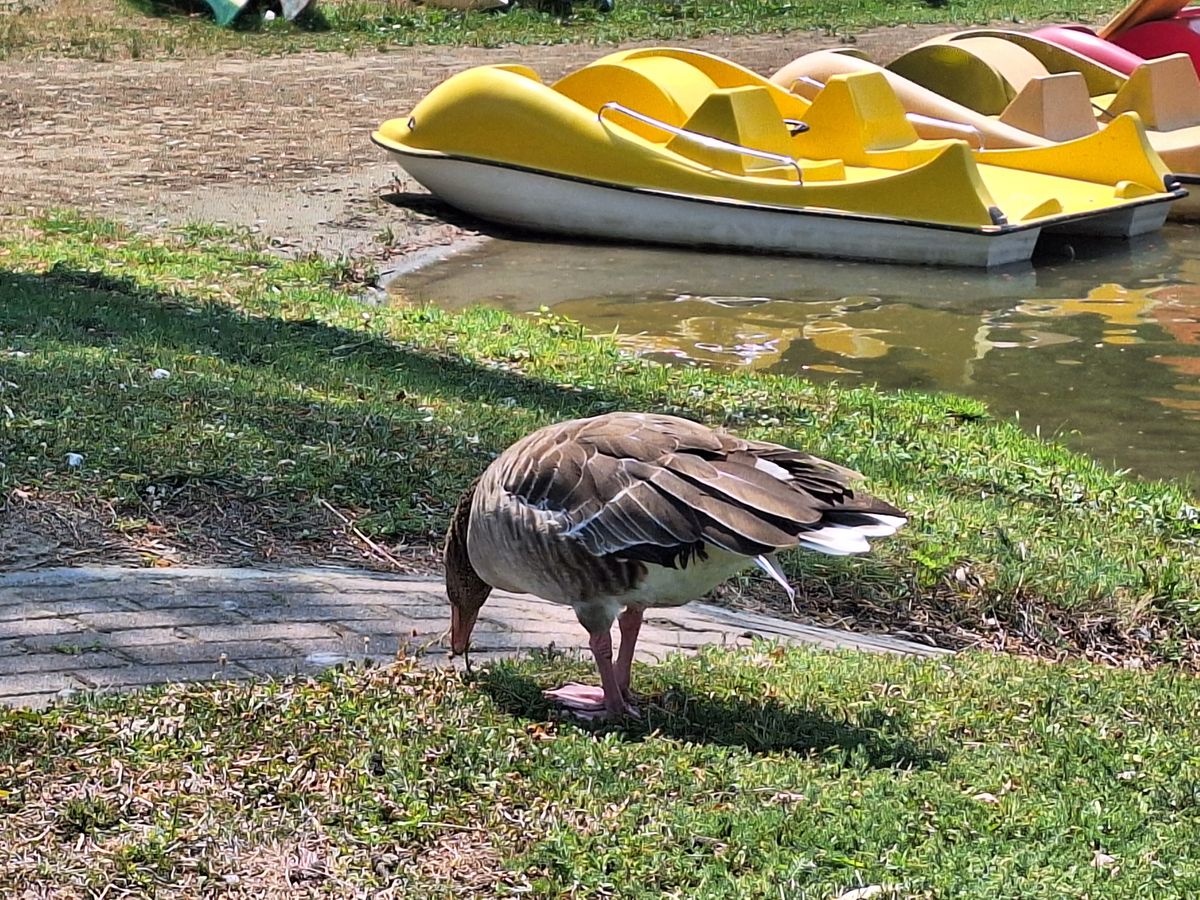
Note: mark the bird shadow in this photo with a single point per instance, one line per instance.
(878, 740)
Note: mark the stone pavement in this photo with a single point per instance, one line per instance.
(64, 630)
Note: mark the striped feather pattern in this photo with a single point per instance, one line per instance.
(574, 511)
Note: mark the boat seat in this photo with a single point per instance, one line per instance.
(719, 73)
(858, 118)
(956, 74)
(1165, 92)
(518, 69)
(595, 85)
(747, 117)
(1057, 107)
(662, 87)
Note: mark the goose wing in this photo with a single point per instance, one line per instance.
(660, 488)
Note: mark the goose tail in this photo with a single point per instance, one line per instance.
(844, 532)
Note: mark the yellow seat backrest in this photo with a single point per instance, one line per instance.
(746, 116)
(854, 115)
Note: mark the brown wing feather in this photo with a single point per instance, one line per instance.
(658, 488)
(639, 512)
(829, 482)
(747, 487)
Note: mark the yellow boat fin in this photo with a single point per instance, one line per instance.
(1056, 107)
(1051, 206)
(1165, 92)
(946, 188)
(1131, 190)
(1118, 152)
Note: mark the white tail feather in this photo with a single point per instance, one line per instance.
(771, 567)
(887, 525)
(837, 540)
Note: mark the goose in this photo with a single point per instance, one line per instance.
(627, 511)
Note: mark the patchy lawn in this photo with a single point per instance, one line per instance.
(225, 403)
(753, 774)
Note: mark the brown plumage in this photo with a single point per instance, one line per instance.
(626, 511)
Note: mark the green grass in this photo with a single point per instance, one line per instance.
(119, 29)
(754, 774)
(284, 389)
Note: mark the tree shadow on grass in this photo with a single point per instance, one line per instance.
(879, 740)
(286, 384)
(94, 309)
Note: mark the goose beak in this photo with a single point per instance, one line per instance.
(461, 626)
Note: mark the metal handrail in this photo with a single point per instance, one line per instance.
(804, 79)
(703, 140)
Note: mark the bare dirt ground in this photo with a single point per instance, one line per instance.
(280, 145)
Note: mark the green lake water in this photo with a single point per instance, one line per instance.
(1097, 345)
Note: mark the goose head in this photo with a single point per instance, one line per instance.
(464, 588)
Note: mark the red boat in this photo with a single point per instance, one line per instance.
(1145, 29)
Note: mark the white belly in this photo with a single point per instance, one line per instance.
(675, 587)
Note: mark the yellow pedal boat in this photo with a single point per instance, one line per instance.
(993, 72)
(680, 147)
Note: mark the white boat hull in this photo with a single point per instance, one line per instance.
(562, 205)
(1129, 222)
(1187, 209)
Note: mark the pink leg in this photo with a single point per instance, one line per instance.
(602, 650)
(630, 622)
(589, 702)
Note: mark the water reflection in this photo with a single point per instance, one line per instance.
(1103, 349)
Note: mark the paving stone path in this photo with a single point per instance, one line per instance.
(65, 630)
